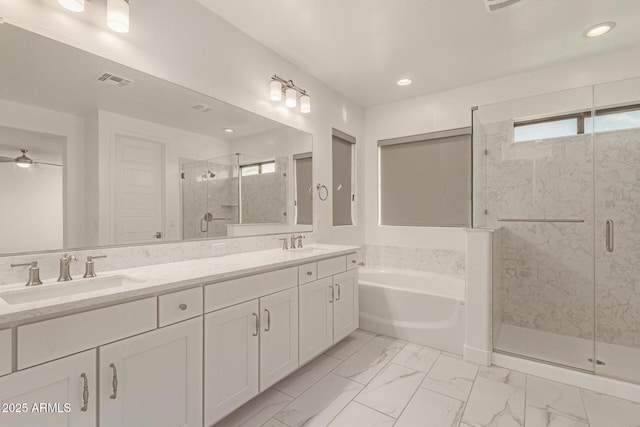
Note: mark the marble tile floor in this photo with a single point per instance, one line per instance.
(375, 381)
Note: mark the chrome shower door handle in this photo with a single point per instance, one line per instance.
(114, 382)
(85, 393)
(609, 235)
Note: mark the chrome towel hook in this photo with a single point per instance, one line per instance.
(320, 187)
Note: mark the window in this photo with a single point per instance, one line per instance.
(303, 188)
(606, 119)
(343, 149)
(425, 180)
(258, 168)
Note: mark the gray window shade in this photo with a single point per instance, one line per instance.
(426, 182)
(304, 201)
(342, 177)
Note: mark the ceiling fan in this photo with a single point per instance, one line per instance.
(24, 161)
(493, 5)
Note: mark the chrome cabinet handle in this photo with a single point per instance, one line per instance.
(338, 296)
(85, 393)
(609, 235)
(331, 287)
(268, 328)
(114, 382)
(182, 307)
(353, 261)
(309, 273)
(255, 334)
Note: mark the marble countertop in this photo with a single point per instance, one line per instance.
(154, 279)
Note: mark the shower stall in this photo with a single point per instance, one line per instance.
(557, 177)
(232, 189)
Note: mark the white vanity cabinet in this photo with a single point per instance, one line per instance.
(66, 387)
(153, 379)
(328, 312)
(248, 347)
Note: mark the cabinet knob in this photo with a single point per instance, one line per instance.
(353, 261)
(309, 273)
(182, 307)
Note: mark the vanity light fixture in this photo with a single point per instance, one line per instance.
(279, 87)
(118, 15)
(404, 82)
(599, 29)
(72, 5)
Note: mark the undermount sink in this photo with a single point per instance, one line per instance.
(310, 250)
(56, 290)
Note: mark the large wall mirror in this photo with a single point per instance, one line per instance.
(93, 153)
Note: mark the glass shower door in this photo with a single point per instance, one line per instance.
(533, 185)
(616, 126)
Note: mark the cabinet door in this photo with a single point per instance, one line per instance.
(54, 384)
(153, 379)
(279, 336)
(231, 341)
(316, 318)
(345, 305)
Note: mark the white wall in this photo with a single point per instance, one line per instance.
(181, 41)
(177, 143)
(452, 109)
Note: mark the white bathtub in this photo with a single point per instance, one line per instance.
(425, 308)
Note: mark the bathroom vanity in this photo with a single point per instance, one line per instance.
(179, 344)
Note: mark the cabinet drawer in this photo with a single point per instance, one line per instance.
(353, 261)
(307, 273)
(51, 339)
(5, 351)
(225, 294)
(331, 266)
(179, 306)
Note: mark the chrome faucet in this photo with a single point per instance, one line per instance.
(284, 244)
(65, 275)
(89, 268)
(34, 272)
(293, 241)
(299, 239)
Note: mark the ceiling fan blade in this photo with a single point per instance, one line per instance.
(45, 163)
(6, 160)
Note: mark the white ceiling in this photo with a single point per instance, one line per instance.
(362, 47)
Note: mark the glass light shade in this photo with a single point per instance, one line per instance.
(291, 98)
(305, 104)
(275, 90)
(23, 164)
(72, 5)
(118, 15)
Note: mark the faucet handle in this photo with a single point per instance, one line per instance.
(284, 244)
(299, 239)
(34, 272)
(89, 270)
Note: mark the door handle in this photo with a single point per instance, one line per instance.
(255, 334)
(268, 328)
(114, 381)
(85, 393)
(331, 287)
(609, 235)
(338, 288)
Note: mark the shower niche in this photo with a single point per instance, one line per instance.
(557, 179)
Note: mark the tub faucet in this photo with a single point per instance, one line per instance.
(65, 275)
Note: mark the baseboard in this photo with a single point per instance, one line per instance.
(621, 389)
(477, 356)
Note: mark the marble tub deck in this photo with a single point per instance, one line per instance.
(369, 380)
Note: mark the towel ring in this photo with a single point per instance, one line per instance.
(319, 187)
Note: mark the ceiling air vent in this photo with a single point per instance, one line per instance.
(203, 108)
(493, 5)
(113, 80)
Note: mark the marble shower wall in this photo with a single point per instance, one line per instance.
(264, 196)
(618, 273)
(545, 270)
(418, 259)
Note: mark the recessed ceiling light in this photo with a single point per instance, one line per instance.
(404, 82)
(229, 130)
(599, 29)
